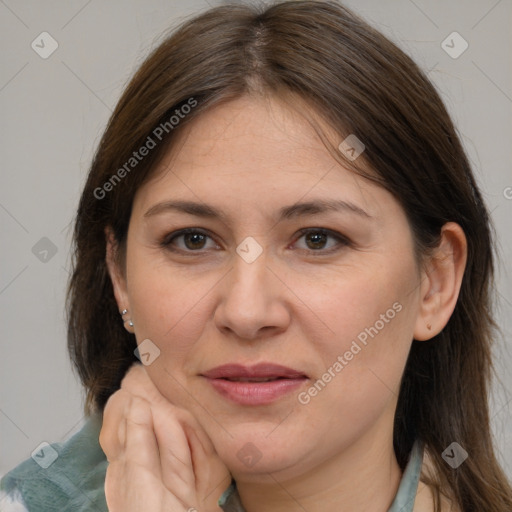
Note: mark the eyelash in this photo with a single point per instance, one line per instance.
(342, 240)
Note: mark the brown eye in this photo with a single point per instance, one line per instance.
(187, 240)
(317, 240)
(194, 240)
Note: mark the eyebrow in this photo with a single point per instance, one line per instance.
(284, 213)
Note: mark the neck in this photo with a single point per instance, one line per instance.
(365, 476)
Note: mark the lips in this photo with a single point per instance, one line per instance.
(260, 371)
(260, 384)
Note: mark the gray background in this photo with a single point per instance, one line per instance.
(54, 110)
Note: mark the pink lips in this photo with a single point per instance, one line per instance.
(254, 385)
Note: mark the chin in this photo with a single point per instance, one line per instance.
(259, 470)
(254, 452)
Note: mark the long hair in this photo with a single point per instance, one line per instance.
(361, 84)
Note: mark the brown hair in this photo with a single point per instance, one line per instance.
(360, 83)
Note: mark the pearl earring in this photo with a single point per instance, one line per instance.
(127, 322)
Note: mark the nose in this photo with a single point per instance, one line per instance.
(252, 300)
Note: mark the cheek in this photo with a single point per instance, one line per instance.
(167, 307)
(368, 322)
(360, 379)
(359, 303)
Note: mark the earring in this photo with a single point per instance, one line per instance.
(127, 322)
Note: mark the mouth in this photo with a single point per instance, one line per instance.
(260, 384)
(252, 379)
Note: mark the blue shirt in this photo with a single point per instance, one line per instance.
(74, 478)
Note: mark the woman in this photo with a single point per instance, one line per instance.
(281, 225)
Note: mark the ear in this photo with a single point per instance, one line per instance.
(441, 282)
(116, 273)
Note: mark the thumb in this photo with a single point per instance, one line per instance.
(212, 475)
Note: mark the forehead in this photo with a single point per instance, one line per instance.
(257, 150)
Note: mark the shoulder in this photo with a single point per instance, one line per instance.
(424, 501)
(61, 476)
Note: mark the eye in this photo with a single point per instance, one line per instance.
(195, 240)
(316, 240)
(192, 240)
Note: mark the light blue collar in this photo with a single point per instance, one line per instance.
(406, 494)
(403, 502)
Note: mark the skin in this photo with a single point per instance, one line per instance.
(301, 304)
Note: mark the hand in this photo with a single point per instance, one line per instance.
(160, 458)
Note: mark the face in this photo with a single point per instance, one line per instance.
(330, 293)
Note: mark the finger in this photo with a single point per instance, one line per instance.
(133, 475)
(175, 458)
(203, 465)
(135, 383)
(134, 480)
(139, 383)
(212, 475)
(187, 455)
(172, 441)
(141, 447)
(169, 421)
(113, 429)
